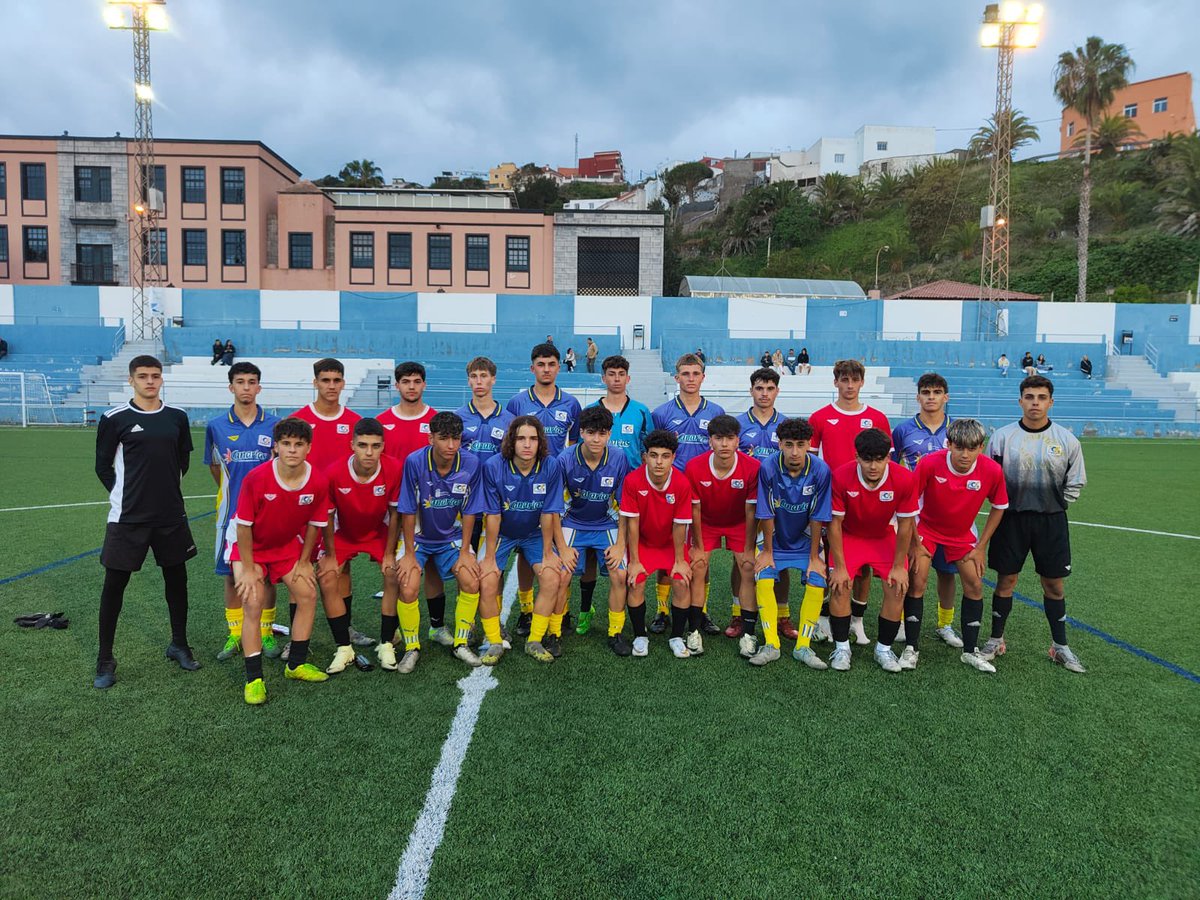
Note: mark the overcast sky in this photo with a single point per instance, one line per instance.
(464, 84)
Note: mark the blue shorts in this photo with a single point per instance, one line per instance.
(444, 557)
(599, 541)
(940, 564)
(226, 534)
(786, 559)
(530, 547)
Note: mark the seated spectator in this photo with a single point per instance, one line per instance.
(3, 348)
(777, 360)
(790, 360)
(569, 359)
(1085, 367)
(1027, 360)
(765, 359)
(227, 353)
(1042, 366)
(218, 350)
(700, 356)
(802, 361)
(1003, 365)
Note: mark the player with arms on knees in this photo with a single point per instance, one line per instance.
(794, 504)
(522, 508)
(441, 493)
(1044, 473)
(362, 498)
(593, 473)
(867, 495)
(725, 492)
(281, 506)
(657, 501)
(236, 442)
(952, 485)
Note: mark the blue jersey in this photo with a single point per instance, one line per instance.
(482, 434)
(912, 439)
(756, 439)
(690, 428)
(592, 494)
(630, 427)
(560, 417)
(521, 500)
(236, 448)
(440, 501)
(794, 502)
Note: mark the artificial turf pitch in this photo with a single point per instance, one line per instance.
(600, 777)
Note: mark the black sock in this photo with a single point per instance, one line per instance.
(840, 627)
(972, 612)
(825, 608)
(298, 655)
(437, 610)
(291, 613)
(913, 609)
(1056, 615)
(637, 618)
(586, 590)
(347, 600)
(888, 629)
(857, 610)
(750, 620)
(387, 628)
(112, 598)
(679, 620)
(695, 618)
(253, 667)
(175, 582)
(339, 627)
(1001, 607)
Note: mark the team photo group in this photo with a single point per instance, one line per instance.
(613, 493)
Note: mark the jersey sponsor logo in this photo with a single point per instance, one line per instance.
(306, 499)
(270, 496)
(560, 415)
(264, 440)
(498, 433)
(386, 425)
(539, 488)
(378, 490)
(343, 428)
(865, 423)
(739, 483)
(607, 481)
(136, 428)
(424, 428)
(807, 490)
(458, 488)
(343, 490)
(974, 485)
(627, 428)
(886, 496)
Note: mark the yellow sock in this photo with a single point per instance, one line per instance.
(764, 590)
(265, 623)
(783, 610)
(616, 623)
(945, 617)
(706, 587)
(810, 610)
(233, 618)
(526, 600)
(464, 616)
(537, 628)
(410, 624)
(491, 627)
(556, 624)
(663, 593)
(737, 609)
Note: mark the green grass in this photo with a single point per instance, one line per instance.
(605, 777)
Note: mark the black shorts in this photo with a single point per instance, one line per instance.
(1046, 535)
(125, 546)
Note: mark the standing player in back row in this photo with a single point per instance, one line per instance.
(1043, 471)
(406, 425)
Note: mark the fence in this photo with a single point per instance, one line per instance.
(25, 400)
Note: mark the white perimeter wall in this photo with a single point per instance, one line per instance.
(6, 304)
(318, 310)
(456, 312)
(602, 315)
(770, 318)
(928, 320)
(1076, 323)
(1193, 321)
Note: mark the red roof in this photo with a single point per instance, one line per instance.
(956, 290)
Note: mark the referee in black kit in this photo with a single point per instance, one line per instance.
(142, 453)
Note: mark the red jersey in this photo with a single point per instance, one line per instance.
(950, 501)
(868, 512)
(723, 500)
(834, 431)
(361, 507)
(280, 515)
(657, 510)
(403, 436)
(332, 437)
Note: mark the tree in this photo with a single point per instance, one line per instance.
(1041, 223)
(961, 239)
(796, 224)
(885, 191)
(361, 173)
(1117, 202)
(836, 196)
(329, 181)
(983, 143)
(1110, 135)
(1179, 209)
(1086, 81)
(540, 192)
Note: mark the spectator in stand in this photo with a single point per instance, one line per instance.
(765, 359)
(4, 348)
(549, 339)
(700, 356)
(569, 359)
(1042, 366)
(592, 352)
(1003, 365)
(227, 353)
(218, 351)
(790, 360)
(802, 361)
(1085, 367)
(1027, 360)
(777, 361)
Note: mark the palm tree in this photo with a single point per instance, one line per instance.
(361, 173)
(1086, 81)
(885, 190)
(983, 143)
(962, 240)
(1116, 202)
(1111, 134)
(1043, 222)
(1179, 210)
(835, 195)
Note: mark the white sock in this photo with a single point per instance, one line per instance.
(879, 648)
(842, 645)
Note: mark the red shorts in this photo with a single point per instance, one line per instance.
(953, 550)
(347, 549)
(860, 553)
(275, 563)
(655, 558)
(735, 537)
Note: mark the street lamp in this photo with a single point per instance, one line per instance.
(884, 248)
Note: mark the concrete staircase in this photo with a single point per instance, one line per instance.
(1141, 379)
(97, 383)
(648, 383)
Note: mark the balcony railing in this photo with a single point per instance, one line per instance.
(93, 273)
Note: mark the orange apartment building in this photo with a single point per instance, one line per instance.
(1160, 106)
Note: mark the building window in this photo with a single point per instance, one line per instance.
(881, 145)
(607, 265)
(94, 264)
(478, 249)
(3, 181)
(517, 253)
(440, 252)
(156, 247)
(33, 181)
(362, 250)
(400, 250)
(3, 243)
(883, 167)
(37, 243)
(159, 183)
(300, 250)
(193, 184)
(195, 247)
(233, 185)
(1160, 104)
(233, 247)
(93, 184)
(839, 157)
(1131, 110)
(1070, 129)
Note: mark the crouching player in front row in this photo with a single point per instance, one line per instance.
(867, 495)
(952, 485)
(362, 497)
(522, 506)
(793, 505)
(281, 506)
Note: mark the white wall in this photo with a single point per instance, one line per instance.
(6, 304)
(1076, 323)
(456, 312)
(825, 151)
(770, 318)
(901, 141)
(117, 303)
(930, 320)
(318, 310)
(1193, 322)
(600, 315)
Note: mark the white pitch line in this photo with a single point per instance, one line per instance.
(412, 876)
(1189, 537)
(90, 503)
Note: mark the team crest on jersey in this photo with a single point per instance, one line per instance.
(865, 423)
(539, 488)
(774, 438)
(704, 424)
(739, 483)
(378, 490)
(807, 490)
(1054, 450)
(606, 481)
(670, 498)
(388, 426)
(307, 499)
(458, 488)
(424, 428)
(264, 440)
(974, 485)
(887, 496)
(560, 415)
(498, 433)
(343, 490)
(627, 428)
(270, 496)
(343, 428)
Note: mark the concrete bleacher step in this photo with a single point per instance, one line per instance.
(1142, 381)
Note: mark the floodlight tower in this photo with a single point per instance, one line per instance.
(1007, 26)
(145, 251)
